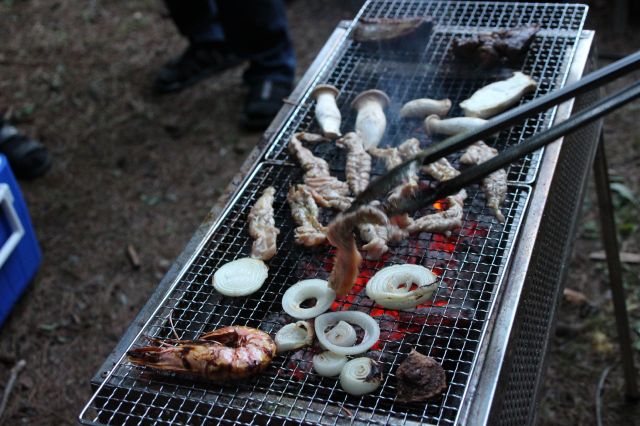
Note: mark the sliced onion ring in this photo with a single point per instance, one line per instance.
(342, 334)
(360, 376)
(328, 364)
(240, 277)
(305, 290)
(390, 287)
(368, 324)
(294, 336)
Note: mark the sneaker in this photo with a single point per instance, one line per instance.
(263, 103)
(197, 62)
(27, 157)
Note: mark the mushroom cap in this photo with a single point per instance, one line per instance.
(372, 94)
(428, 123)
(324, 88)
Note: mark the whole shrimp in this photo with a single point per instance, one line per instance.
(228, 353)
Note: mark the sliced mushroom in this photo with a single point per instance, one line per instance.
(451, 126)
(327, 112)
(420, 108)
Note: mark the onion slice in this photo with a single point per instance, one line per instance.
(328, 364)
(240, 277)
(360, 376)
(305, 290)
(342, 334)
(368, 324)
(390, 287)
(294, 336)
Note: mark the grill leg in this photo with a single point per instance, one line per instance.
(610, 241)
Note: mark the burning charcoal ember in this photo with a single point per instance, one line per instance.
(371, 122)
(494, 185)
(300, 365)
(326, 189)
(441, 170)
(262, 226)
(420, 377)
(497, 97)
(305, 211)
(495, 48)
(358, 168)
(348, 259)
(443, 221)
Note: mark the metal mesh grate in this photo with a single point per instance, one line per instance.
(429, 70)
(470, 263)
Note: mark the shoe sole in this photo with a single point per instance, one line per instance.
(176, 87)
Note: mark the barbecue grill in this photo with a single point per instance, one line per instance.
(493, 313)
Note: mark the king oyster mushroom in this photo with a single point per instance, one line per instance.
(327, 112)
(451, 126)
(420, 108)
(497, 97)
(371, 121)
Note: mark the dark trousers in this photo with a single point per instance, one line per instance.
(256, 30)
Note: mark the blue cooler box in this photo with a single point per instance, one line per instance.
(20, 254)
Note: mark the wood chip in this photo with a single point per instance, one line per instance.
(575, 297)
(625, 257)
(132, 254)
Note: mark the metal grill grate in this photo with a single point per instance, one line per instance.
(470, 262)
(429, 71)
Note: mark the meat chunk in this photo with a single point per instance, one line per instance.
(420, 377)
(310, 232)
(317, 176)
(495, 48)
(348, 259)
(444, 221)
(358, 168)
(262, 226)
(441, 170)
(494, 185)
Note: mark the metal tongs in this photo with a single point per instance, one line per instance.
(381, 186)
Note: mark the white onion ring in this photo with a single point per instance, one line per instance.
(294, 336)
(390, 286)
(328, 364)
(360, 376)
(240, 277)
(304, 290)
(342, 334)
(368, 324)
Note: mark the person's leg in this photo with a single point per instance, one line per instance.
(207, 53)
(257, 30)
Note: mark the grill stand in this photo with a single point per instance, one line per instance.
(610, 241)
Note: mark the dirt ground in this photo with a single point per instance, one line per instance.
(133, 169)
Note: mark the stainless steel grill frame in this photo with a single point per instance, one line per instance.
(472, 285)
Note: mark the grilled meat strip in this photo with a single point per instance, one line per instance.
(358, 168)
(494, 185)
(317, 176)
(441, 170)
(348, 259)
(444, 221)
(381, 29)
(262, 226)
(305, 211)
